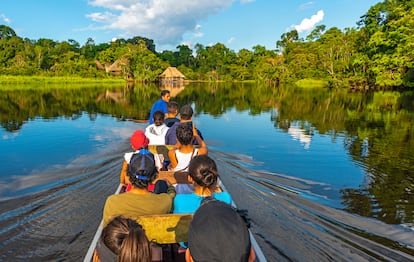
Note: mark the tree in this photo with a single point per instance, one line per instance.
(6, 32)
(184, 56)
(389, 28)
(316, 33)
(149, 43)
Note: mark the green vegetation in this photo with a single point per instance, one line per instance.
(309, 83)
(8, 79)
(378, 54)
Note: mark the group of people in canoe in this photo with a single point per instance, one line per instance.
(217, 232)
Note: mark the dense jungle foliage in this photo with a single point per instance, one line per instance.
(377, 54)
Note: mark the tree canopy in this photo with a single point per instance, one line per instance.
(378, 54)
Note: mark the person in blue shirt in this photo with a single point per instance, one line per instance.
(204, 177)
(186, 116)
(160, 104)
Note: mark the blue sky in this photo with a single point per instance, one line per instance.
(236, 23)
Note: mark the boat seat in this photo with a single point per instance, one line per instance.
(167, 228)
(160, 150)
(163, 150)
(173, 177)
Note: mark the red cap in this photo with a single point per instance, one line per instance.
(138, 140)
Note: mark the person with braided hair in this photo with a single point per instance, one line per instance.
(139, 201)
(204, 176)
(123, 240)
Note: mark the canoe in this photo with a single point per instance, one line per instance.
(166, 228)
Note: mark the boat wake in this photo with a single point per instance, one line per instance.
(59, 212)
(290, 227)
(57, 220)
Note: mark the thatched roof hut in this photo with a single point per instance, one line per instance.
(171, 76)
(114, 68)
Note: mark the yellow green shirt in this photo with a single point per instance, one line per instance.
(131, 205)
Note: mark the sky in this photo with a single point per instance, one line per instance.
(235, 23)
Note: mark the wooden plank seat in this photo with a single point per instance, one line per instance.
(166, 228)
(160, 150)
(163, 150)
(173, 177)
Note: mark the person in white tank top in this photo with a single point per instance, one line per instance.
(181, 155)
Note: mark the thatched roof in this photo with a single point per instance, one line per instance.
(172, 72)
(99, 65)
(115, 67)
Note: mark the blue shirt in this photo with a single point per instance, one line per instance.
(171, 136)
(158, 105)
(188, 203)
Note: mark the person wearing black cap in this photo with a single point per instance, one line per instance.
(218, 233)
(139, 201)
(186, 116)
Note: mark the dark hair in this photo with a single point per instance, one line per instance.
(127, 240)
(184, 133)
(141, 169)
(158, 115)
(186, 112)
(172, 107)
(203, 171)
(164, 92)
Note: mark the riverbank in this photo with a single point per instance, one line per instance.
(7, 82)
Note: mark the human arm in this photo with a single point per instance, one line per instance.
(173, 158)
(170, 137)
(123, 177)
(171, 189)
(202, 150)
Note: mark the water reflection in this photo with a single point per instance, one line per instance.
(300, 134)
(377, 128)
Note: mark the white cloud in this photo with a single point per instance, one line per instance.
(231, 40)
(306, 5)
(5, 19)
(198, 34)
(246, 1)
(164, 21)
(308, 24)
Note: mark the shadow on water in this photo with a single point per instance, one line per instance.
(58, 223)
(290, 227)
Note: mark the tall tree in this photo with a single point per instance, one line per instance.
(6, 32)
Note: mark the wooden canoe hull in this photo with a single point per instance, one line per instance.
(166, 228)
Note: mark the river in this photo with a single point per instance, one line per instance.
(324, 174)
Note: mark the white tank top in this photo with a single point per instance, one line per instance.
(183, 159)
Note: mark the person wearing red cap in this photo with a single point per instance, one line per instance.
(138, 142)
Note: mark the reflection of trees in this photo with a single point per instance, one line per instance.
(387, 126)
(18, 106)
(378, 130)
(377, 127)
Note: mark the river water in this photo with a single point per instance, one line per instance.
(315, 190)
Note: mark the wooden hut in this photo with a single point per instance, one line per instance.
(171, 77)
(114, 69)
